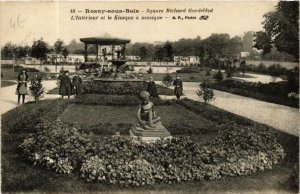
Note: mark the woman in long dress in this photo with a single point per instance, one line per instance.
(22, 85)
(77, 84)
(178, 87)
(65, 87)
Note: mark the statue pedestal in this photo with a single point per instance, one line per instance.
(150, 135)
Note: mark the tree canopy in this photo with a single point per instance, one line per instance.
(280, 29)
(39, 49)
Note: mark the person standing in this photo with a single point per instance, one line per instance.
(77, 84)
(151, 88)
(65, 87)
(22, 85)
(178, 87)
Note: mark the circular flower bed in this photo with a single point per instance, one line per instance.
(119, 160)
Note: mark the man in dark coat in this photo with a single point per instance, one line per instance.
(178, 87)
(151, 88)
(65, 87)
(77, 84)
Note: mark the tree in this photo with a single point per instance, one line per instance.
(7, 52)
(58, 47)
(39, 49)
(169, 52)
(65, 53)
(143, 53)
(159, 54)
(248, 41)
(281, 29)
(36, 88)
(263, 41)
(205, 92)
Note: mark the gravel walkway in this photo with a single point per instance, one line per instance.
(278, 116)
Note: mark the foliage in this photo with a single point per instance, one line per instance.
(167, 80)
(143, 53)
(281, 29)
(89, 66)
(121, 88)
(65, 53)
(119, 160)
(189, 70)
(39, 49)
(116, 100)
(293, 81)
(150, 71)
(205, 92)
(56, 146)
(278, 88)
(36, 88)
(169, 52)
(218, 76)
(275, 92)
(12, 51)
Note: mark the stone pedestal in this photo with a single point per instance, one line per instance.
(150, 135)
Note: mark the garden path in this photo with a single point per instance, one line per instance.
(8, 99)
(278, 116)
(259, 78)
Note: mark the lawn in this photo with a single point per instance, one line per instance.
(5, 83)
(19, 175)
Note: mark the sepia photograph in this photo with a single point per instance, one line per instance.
(172, 97)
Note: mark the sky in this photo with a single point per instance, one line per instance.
(24, 22)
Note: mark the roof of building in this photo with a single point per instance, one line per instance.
(104, 40)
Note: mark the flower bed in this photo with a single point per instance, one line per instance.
(119, 160)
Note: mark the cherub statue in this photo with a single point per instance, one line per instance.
(146, 114)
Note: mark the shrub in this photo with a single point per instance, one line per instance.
(167, 80)
(116, 100)
(113, 88)
(208, 72)
(218, 76)
(119, 160)
(205, 92)
(89, 66)
(189, 70)
(36, 89)
(150, 71)
(229, 72)
(47, 70)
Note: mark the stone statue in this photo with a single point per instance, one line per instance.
(147, 118)
(149, 127)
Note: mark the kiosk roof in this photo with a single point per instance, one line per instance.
(104, 40)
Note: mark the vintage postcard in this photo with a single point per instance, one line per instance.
(149, 97)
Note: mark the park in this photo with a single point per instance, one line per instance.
(211, 115)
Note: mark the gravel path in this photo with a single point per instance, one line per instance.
(280, 117)
(9, 100)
